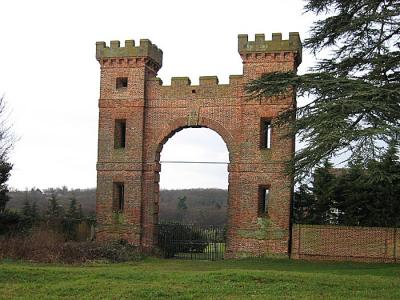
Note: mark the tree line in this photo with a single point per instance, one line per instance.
(199, 206)
(86, 198)
(364, 194)
(55, 217)
(194, 206)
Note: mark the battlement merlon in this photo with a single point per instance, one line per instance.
(145, 49)
(260, 45)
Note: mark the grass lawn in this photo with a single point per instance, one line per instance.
(182, 279)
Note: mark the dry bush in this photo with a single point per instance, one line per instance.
(117, 251)
(44, 245)
(40, 245)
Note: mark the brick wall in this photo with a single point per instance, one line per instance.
(326, 242)
(154, 112)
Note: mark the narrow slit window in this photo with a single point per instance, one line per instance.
(266, 134)
(119, 134)
(119, 196)
(121, 83)
(263, 197)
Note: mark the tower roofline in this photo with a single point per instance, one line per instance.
(145, 49)
(276, 44)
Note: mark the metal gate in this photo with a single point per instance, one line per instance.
(188, 241)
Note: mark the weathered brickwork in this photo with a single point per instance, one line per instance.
(326, 242)
(154, 112)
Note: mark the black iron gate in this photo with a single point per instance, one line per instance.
(190, 241)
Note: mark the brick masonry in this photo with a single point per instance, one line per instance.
(327, 242)
(154, 112)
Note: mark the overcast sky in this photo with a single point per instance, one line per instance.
(50, 77)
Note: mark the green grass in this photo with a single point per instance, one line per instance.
(182, 279)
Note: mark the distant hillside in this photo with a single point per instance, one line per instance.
(203, 206)
(85, 197)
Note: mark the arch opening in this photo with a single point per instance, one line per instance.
(194, 177)
(192, 210)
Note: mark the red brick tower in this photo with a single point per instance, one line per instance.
(138, 115)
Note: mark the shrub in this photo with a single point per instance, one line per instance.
(177, 238)
(39, 245)
(12, 222)
(116, 251)
(48, 246)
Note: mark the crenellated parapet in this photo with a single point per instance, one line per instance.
(146, 49)
(180, 81)
(208, 90)
(276, 45)
(204, 81)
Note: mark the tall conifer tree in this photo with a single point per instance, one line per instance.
(354, 92)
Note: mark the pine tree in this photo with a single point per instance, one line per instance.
(73, 210)
(181, 203)
(369, 195)
(384, 183)
(29, 213)
(34, 212)
(323, 189)
(181, 208)
(354, 92)
(27, 209)
(5, 169)
(72, 219)
(361, 195)
(80, 212)
(352, 196)
(303, 204)
(7, 140)
(54, 209)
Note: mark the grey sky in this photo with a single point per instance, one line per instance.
(50, 77)
(194, 144)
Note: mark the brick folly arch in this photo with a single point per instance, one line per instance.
(138, 114)
(181, 123)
